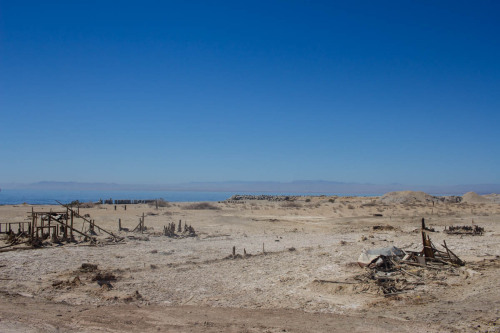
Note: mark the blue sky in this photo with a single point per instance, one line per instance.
(168, 92)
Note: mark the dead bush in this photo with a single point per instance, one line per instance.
(201, 205)
(291, 204)
(77, 203)
(160, 202)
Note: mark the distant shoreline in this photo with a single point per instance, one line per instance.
(49, 197)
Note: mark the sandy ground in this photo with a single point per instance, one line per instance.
(193, 284)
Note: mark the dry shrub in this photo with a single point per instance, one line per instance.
(161, 203)
(77, 203)
(313, 205)
(349, 206)
(201, 205)
(291, 204)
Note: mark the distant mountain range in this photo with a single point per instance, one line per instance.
(299, 186)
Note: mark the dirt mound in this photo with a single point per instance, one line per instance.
(493, 197)
(405, 197)
(474, 198)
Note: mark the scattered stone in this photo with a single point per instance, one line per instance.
(56, 283)
(76, 281)
(383, 227)
(104, 276)
(86, 267)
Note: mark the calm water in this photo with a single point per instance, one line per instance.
(41, 197)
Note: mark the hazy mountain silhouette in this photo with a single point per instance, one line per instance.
(301, 186)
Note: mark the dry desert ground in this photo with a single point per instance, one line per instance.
(295, 269)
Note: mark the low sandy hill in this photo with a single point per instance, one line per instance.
(473, 197)
(404, 197)
(493, 197)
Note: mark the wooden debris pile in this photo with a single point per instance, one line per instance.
(170, 230)
(399, 271)
(472, 230)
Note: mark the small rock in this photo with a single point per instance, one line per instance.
(86, 267)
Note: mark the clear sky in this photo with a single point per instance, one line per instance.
(178, 91)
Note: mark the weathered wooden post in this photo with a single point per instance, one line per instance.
(234, 251)
(119, 224)
(179, 228)
(263, 251)
(71, 230)
(50, 219)
(142, 225)
(66, 224)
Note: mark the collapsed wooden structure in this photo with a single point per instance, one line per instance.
(431, 253)
(55, 225)
(10, 227)
(399, 272)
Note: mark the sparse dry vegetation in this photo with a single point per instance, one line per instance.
(160, 203)
(291, 204)
(201, 206)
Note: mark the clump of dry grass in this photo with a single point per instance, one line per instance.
(201, 205)
(160, 202)
(77, 203)
(313, 205)
(291, 204)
